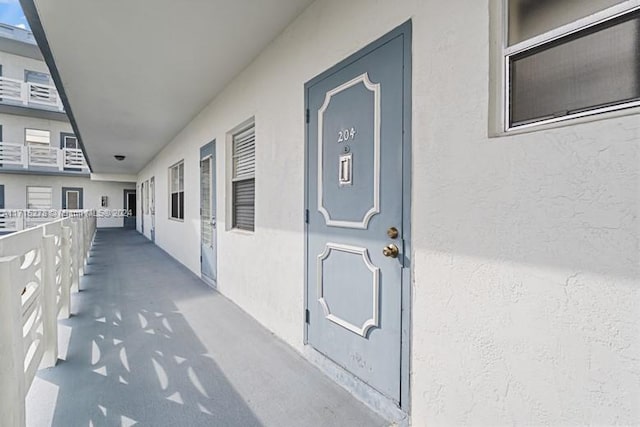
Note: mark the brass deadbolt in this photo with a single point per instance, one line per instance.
(393, 233)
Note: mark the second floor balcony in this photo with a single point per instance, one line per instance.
(28, 94)
(20, 157)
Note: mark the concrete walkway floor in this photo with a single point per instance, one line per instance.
(151, 345)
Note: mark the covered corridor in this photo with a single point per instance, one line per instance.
(150, 344)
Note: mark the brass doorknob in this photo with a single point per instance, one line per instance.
(391, 251)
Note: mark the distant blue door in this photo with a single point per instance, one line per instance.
(355, 198)
(130, 205)
(142, 190)
(152, 207)
(208, 213)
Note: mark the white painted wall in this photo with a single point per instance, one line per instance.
(13, 128)
(526, 294)
(15, 193)
(13, 66)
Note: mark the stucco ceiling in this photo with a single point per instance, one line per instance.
(136, 72)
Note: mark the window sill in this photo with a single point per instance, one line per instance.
(568, 121)
(242, 232)
(176, 219)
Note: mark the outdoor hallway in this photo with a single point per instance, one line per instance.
(150, 344)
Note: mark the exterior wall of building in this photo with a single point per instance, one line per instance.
(15, 192)
(13, 128)
(13, 66)
(526, 297)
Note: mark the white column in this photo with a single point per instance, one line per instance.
(50, 305)
(12, 387)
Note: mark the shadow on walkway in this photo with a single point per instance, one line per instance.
(151, 345)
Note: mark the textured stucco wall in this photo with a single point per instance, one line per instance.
(526, 247)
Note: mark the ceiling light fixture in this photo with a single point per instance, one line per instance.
(119, 157)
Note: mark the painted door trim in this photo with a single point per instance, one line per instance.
(126, 206)
(152, 207)
(375, 209)
(80, 192)
(405, 31)
(64, 135)
(206, 155)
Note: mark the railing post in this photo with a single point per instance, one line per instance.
(12, 382)
(81, 250)
(94, 224)
(25, 156)
(88, 236)
(67, 267)
(60, 159)
(50, 309)
(24, 93)
(75, 255)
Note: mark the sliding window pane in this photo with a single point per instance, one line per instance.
(593, 68)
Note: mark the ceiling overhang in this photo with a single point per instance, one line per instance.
(133, 74)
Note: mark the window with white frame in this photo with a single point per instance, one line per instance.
(243, 178)
(70, 141)
(565, 59)
(37, 77)
(176, 191)
(37, 137)
(152, 195)
(39, 197)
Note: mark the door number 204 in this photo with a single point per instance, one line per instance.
(346, 134)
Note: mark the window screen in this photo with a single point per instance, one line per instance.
(73, 200)
(70, 142)
(39, 197)
(595, 67)
(176, 190)
(244, 166)
(37, 77)
(529, 18)
(37, 137)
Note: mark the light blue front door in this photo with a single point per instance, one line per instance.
(355, 198)
(208, 213)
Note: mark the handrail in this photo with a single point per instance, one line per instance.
(12, 220)
(14, 155)
(14, 91)
(38, 269)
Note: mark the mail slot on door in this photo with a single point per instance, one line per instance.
(345, 169)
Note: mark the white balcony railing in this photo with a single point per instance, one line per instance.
(13, 91)
(74, 158)
(23, 157)
(12, 220)
(38, 270)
